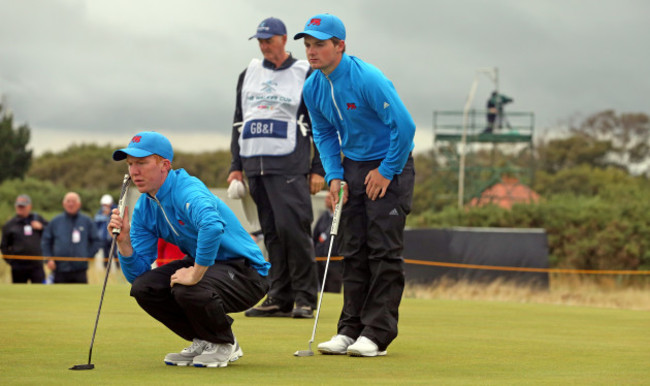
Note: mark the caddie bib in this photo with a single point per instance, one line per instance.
(270, 102)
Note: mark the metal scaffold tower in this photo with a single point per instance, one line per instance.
(470, 147)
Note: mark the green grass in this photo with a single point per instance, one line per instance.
(44, 330)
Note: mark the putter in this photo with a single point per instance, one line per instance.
(116, 231)
(333, 231)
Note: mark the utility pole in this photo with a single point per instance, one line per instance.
(493, 74)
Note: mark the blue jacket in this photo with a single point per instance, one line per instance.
(185, 213)
(359, 104)
(57, 240)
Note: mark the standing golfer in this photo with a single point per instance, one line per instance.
(224, 270)
(271, 143)
(353, 100)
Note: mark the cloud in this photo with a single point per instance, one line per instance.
(113, 67)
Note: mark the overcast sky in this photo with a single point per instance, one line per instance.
(101, 70)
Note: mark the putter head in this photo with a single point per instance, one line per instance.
(303, 353)
(87, 366)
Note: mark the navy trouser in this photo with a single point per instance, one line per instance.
(71, 277)
(372, 240)
(34, 274)
(200, 311)
(285, 214)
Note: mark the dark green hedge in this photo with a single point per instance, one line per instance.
(606, 232)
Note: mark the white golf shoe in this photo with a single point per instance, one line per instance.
(364, 347)
(186, 356)
(218, 355)
(335, 346)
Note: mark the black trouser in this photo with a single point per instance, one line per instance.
(334, 276)
(71, 277)
(285, 214)
(34, 274)
(372, 238)
(200, 311)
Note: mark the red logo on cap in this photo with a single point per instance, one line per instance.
(136, 139)
(314, 22)
(352, 106)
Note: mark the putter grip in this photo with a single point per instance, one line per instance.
(122, 203)
(337, 212)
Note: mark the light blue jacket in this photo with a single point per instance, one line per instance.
(359, 104)
(185, 213)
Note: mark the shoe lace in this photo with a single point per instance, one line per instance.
(210, 347)
(196, 344)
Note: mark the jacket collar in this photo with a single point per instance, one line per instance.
(166, 187)
(342, 69)
(288, 62)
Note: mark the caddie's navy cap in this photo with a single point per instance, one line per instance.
(323, 26)
(145, 144)
(269, 28)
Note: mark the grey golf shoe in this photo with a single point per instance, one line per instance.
(338, 345)
(186, 356)
(218, 355)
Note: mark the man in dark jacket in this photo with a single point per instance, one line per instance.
(495, 111)
(271, 143)
(22, 236)
(70, 234)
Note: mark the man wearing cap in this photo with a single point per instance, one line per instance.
(71, 234)
(103, 215)
(353, 100)
(21, 236)
(223, 271)
(271, 143)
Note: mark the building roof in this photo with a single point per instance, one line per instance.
(505, 193)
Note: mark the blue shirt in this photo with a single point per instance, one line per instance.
(185, 213)
(357, 103)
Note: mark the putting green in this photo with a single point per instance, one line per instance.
(47, 329)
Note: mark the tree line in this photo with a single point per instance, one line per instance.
(594, 181)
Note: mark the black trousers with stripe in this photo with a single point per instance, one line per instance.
(200, 311)
(372, 240)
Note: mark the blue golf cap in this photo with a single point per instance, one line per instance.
(145, 144)
(268, 28)
(323, 26)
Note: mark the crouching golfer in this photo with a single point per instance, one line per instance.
(224, 270)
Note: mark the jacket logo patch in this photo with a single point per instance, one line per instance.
(181, 222)
(352, 106)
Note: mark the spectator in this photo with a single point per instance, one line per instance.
(21, 236)
(322, 239)
(71, 234)
(495, 111)
(271, 143)
(102, 217)
(356, 111)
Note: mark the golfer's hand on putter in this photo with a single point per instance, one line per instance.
(376, 184)
(335, 187)
(123, 238)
